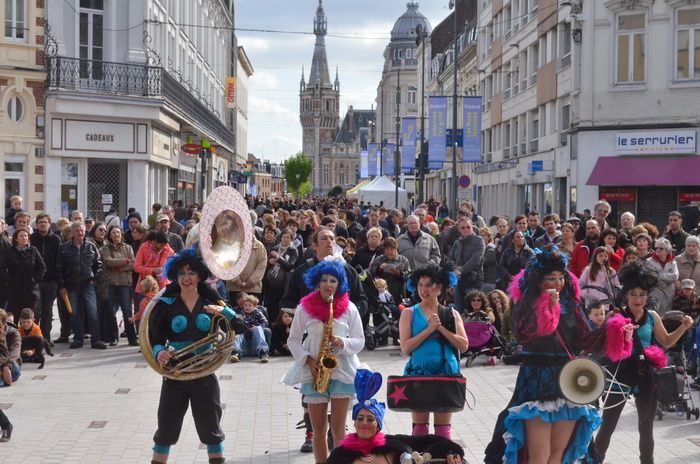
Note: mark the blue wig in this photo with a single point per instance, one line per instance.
(331, 267)
(188, 256)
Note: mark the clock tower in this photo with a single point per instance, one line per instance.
(319, 106)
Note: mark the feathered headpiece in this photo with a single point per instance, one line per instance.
(540, 264)
(332, 267)
(443, 275)
(636, 275)
(367, 384)
(188, 256)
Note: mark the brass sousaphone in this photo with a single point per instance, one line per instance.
(225, 240)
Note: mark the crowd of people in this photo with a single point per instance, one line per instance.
(370, 257)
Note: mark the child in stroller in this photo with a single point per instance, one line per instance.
(674, 394)
(482, 334)
(385, 314)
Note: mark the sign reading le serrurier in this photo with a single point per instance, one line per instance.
(656, 142)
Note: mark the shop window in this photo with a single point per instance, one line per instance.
(688, 44)
(91, 39)
(630, 47)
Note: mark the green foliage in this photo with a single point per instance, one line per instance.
(336, 191)
(296, 172)
(305, 189)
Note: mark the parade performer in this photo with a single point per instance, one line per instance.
(181, 316)
(329, 280)
(638, 281)
(539, 424)
(369, 444)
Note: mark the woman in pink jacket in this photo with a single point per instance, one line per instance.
(150, 260)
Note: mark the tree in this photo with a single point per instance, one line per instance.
(336, 191)
(296, 172)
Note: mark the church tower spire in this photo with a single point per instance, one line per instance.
(319, 66)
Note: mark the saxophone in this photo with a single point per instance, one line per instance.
(326, 359)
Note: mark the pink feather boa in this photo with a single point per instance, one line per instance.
(547, 319)
(318, 309)
(617, 347)
(354, 443)
(516, 292)
(655, 356)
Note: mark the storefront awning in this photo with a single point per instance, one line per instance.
(636, 171)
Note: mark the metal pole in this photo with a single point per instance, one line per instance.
(398, 129)
(422, 157)
(381, 139)
(453, 195)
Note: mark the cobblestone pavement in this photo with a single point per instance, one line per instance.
(90, 406)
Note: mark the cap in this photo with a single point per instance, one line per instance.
(573, 219)
(289, 310)
(687, 283)
(162, 217)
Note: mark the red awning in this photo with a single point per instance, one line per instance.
(636, 171)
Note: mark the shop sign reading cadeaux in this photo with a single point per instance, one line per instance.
(656, 143)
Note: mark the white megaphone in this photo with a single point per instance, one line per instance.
(582, 381)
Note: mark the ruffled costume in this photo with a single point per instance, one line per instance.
(537, 392)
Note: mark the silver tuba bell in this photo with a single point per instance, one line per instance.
(225, 235)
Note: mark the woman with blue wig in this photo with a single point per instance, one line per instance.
(434, 348)
(369, 444)
(181, 316)
(327, 280)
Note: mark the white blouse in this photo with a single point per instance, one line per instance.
(348, 327)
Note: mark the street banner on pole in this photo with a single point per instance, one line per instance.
(364, 164)
(408, 150)
(437, 118)
(388, 159)
(372, 167)
(231, 92)
(471, 140)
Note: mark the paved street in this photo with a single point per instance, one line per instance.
(89, 406)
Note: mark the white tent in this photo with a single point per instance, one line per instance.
(382, 189)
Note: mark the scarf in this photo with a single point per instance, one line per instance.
(318, 309)
(354, 443)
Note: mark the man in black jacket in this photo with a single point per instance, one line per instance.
(48, 245)
(324, 244)
(78, 268)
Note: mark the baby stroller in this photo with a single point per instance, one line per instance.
(483, 337)
(673, 393)
(384, 324)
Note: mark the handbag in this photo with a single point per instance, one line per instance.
(432, 393)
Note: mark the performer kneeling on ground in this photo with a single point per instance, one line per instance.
(181, 317)
(329, 279)
(369, 444)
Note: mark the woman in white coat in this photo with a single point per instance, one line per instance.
(329, 281)
(664, 264)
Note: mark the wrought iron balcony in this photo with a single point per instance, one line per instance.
(103, 77)
(110, 78)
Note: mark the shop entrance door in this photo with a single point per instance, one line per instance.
(654, 204)
(106, 182)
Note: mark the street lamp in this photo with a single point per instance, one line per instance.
(298, 176)
(397, 159)
(421, 34)
(453, 195)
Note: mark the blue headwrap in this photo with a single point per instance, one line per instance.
(367, 384)
(330, 266)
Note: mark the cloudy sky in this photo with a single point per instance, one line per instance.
(274, 131)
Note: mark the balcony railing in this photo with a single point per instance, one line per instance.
(106, 77)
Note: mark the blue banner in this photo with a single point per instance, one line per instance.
(364, 164)
(408, 148)
(471, 139)
(437, 119)
(372, 165)
(388, 157)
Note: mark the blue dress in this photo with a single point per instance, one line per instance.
(432, 357)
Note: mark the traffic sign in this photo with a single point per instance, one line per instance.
(536, 166)
(191, 148)
(464, 181)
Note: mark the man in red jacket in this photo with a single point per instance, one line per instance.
(581, 256)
